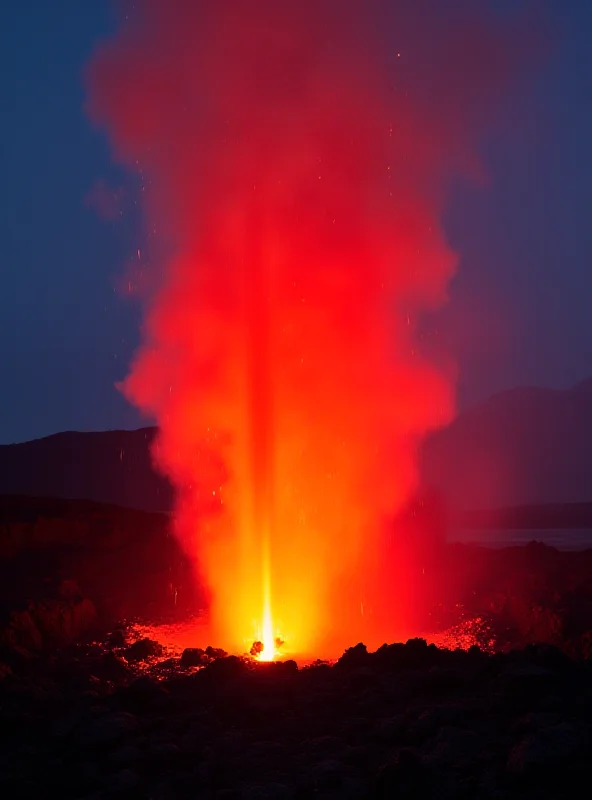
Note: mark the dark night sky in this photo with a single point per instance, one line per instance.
(519, 311)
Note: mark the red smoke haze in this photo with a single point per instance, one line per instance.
(295, 158)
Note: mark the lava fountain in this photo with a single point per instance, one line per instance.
(294, 160)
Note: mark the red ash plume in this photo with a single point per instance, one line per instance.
(295, 157)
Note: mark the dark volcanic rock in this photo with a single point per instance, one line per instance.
(110, 667)
(143, 649)
(142, 695)
(415, 653)
(5, 671)
(194, 657)
(16, 658)
(354, 657)
(548, 751)
(454, 746)
(62, 622)
(525, 684)
(22, 631)
(215, 652)
(117, 638)
(404, 775)
(376, 726)
(221, 669)
(109, 730)
(52, 623)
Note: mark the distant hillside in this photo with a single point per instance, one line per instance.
(522, 447)
(125, 560)
(108, 467)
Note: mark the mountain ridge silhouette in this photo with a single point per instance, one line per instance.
(522, 447)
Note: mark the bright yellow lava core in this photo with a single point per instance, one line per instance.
(267, 637)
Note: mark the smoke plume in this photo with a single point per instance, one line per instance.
(295, 159)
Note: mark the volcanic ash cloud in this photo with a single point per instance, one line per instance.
(295, 158)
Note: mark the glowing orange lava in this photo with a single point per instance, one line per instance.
(267, 637)
(294, 162)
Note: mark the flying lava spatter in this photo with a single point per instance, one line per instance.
(295, 158)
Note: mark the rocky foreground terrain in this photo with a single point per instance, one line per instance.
(89, 711)
(407, 721)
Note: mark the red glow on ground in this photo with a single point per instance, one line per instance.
(299, 180)
(194, 632)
